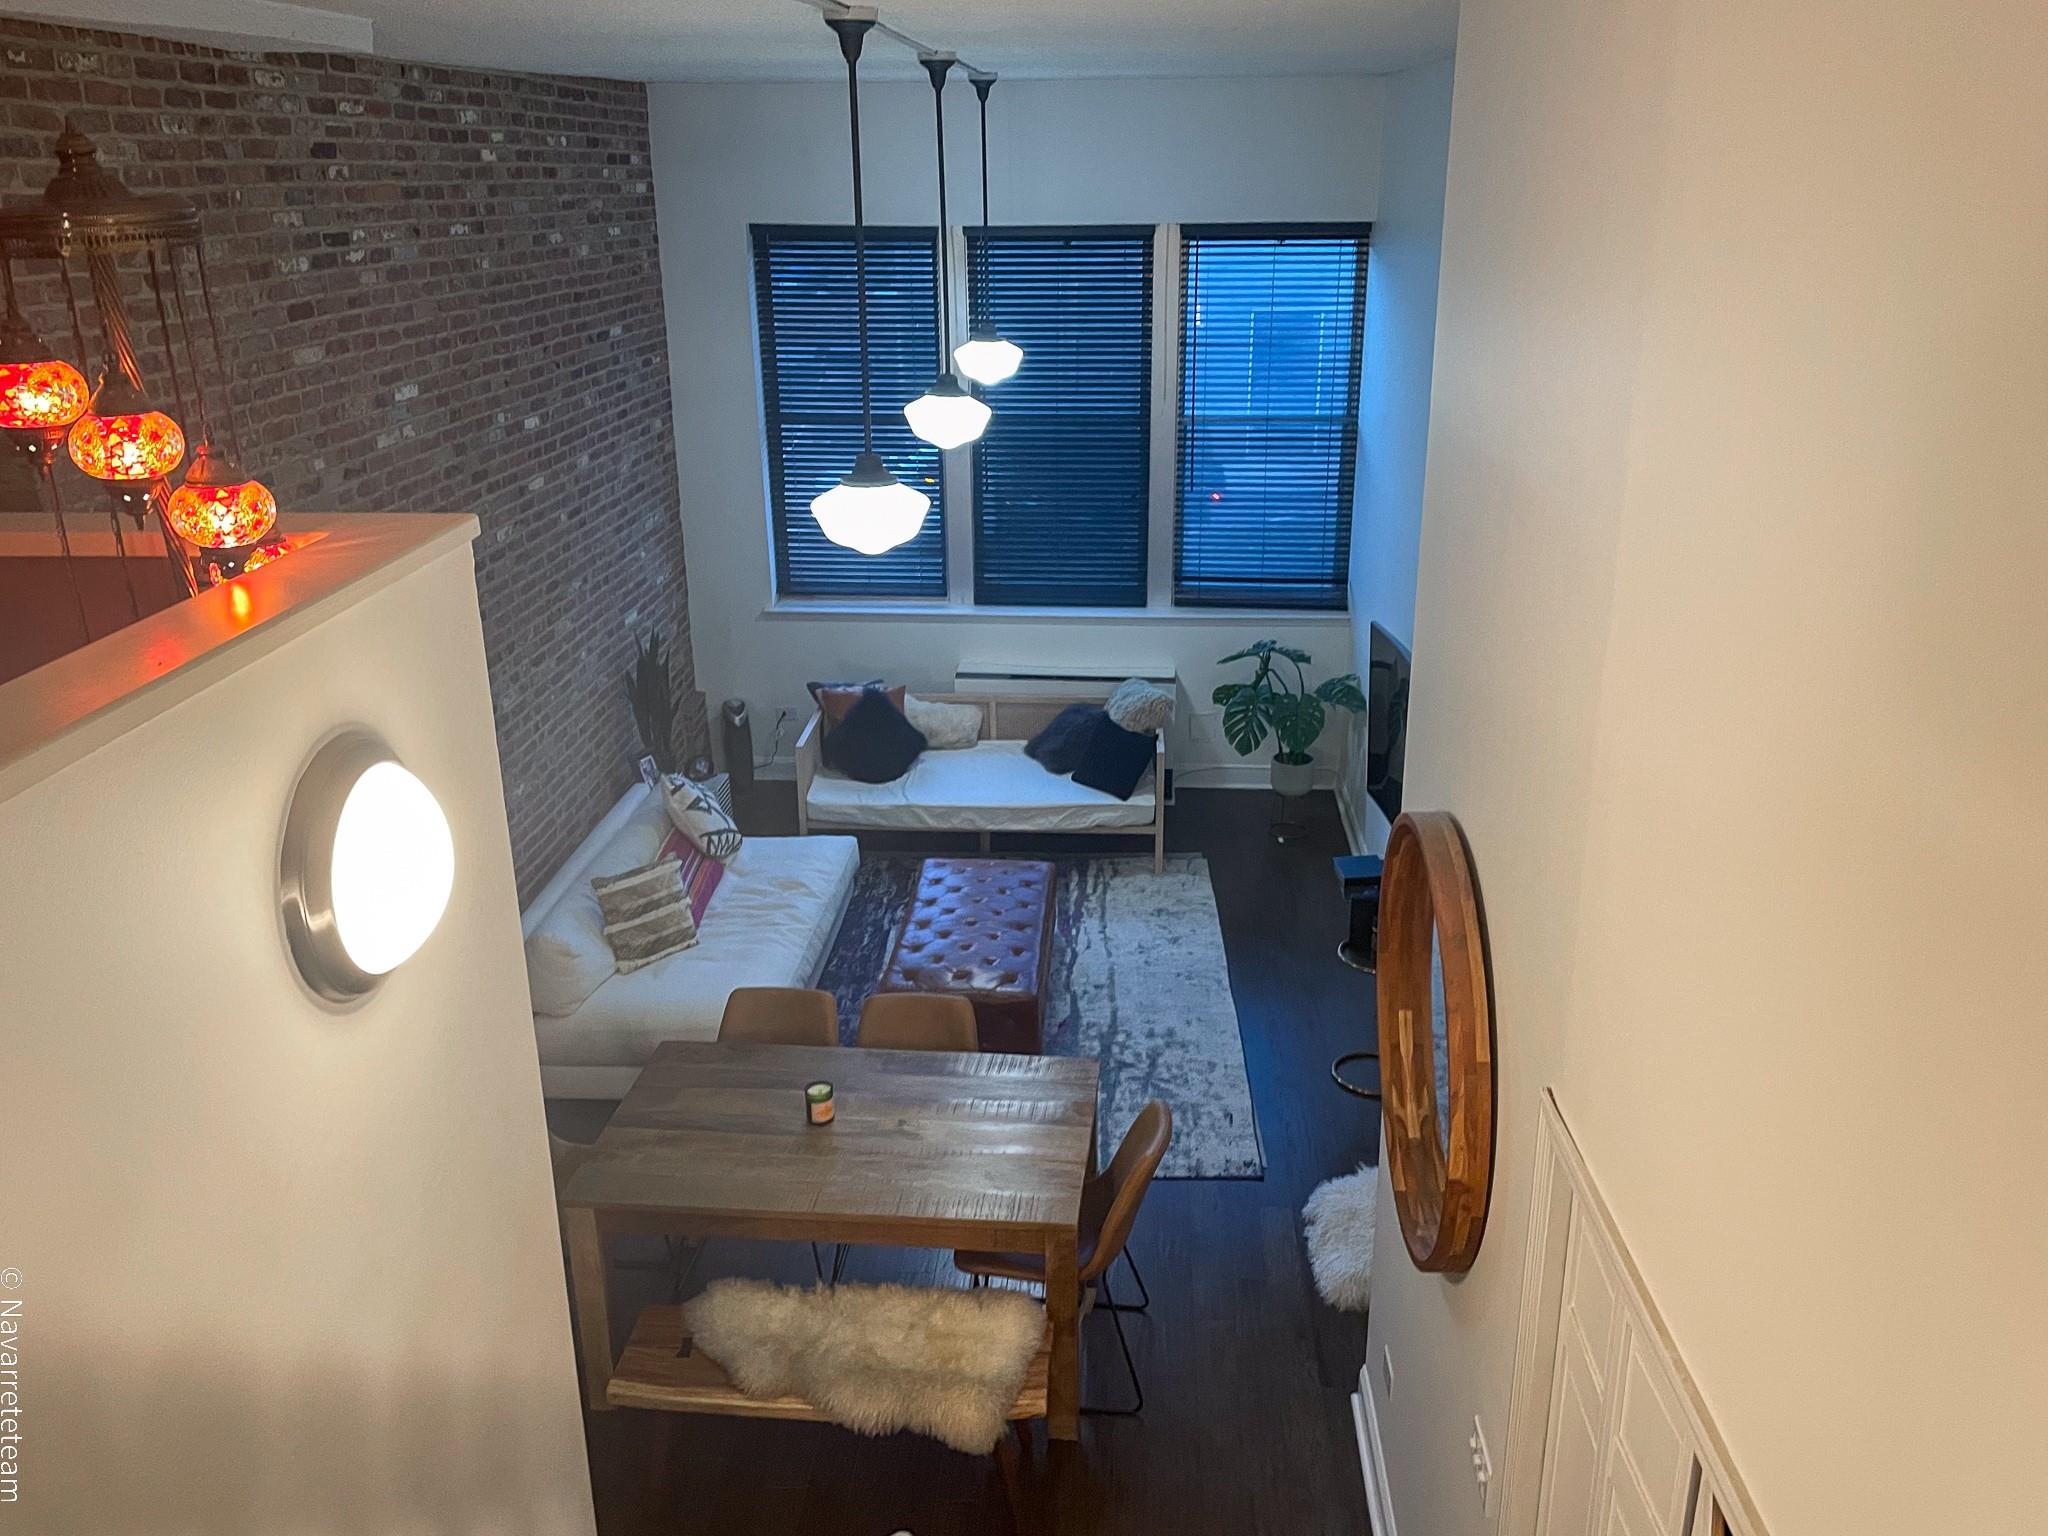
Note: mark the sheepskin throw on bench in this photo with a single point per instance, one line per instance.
(877, 1358)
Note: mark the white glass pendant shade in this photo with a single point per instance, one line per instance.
(946, 416)
(987, 359)
(870, 511)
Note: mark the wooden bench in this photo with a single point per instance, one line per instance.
(660, 1369)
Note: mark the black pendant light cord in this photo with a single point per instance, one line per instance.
(851, 31)
(978, 292)
(938, 66)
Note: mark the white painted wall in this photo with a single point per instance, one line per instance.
(283, 1267)
(1400, 344)
(1075, 151)
(1730, 657)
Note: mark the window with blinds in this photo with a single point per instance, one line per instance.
(804, 300)
(1272, 332)
(1061, 477)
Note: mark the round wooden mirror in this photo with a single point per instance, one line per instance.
(1436, 1041)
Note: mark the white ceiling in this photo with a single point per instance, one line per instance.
(786, 40)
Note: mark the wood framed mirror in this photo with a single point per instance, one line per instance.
(1436, 1041)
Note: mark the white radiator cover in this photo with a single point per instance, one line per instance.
(1081, 679)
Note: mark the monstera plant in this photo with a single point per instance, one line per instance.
(1277, 701)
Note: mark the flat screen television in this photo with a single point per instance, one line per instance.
(1386, 721)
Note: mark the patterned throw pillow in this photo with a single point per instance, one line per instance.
(1138, 706)
(945, 727)
(699, 817)
(645, 916)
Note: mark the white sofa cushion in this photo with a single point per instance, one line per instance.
(991, 784)
(567, 958)
(769, 925)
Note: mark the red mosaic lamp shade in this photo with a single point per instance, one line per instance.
(39, 391)
(219, 506)
(123, 438)
(263, 554)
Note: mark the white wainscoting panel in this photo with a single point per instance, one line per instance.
(1607, 1435)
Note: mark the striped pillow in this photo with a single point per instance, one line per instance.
(700, 873)
(646, 917)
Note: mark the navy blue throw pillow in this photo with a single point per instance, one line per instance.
(1114, 759)
(1059, 746)
(874, 743)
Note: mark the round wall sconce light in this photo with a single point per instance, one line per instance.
(366, 867)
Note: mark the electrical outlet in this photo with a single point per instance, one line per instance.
(1482, 1465)
(1386, 1373)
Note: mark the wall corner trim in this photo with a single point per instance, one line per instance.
(1372, 1460)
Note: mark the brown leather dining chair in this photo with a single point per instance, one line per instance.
(786, 1016)
(780, 1016)
(1109, 1208)
(918, 1021)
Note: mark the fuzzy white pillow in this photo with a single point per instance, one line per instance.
(1139, 707)
(945, 727)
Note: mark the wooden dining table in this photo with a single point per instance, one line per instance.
(926, 1149)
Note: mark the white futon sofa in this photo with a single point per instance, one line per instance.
(770, 923)
(992, 786)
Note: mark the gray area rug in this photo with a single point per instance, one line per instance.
(1139, 982)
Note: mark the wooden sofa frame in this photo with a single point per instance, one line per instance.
(1004, 717)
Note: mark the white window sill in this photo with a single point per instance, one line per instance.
(908, 608)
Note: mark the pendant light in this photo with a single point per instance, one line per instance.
(870, 510)
(219, 506)
(946, 416)
(39, 391)
(984, 356)
(123, 438)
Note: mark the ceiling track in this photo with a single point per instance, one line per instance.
(922, 50)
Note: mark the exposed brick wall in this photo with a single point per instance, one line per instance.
(441, 292)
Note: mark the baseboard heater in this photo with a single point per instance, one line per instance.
(1081, 679)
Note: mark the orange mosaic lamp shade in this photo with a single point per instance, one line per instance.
(40, 396)
(219, 506)
(263, 554)
(39, 391)
(122, 437)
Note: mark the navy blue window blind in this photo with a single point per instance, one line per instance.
(1272, 332)
(1061, 477)
(804, 299)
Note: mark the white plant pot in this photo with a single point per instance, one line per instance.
(1293, 779)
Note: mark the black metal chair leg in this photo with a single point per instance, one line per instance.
(679, 1271)
(1107, 1304)
(838, 1263)
(1131, 1368)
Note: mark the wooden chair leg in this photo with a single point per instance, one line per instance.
(1010, 1451)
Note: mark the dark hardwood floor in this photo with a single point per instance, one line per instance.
(1247, 1425)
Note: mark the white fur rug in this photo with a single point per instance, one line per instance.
(877, 1358)
(1337, 1225)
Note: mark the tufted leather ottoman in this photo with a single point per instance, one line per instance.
(980, 929)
